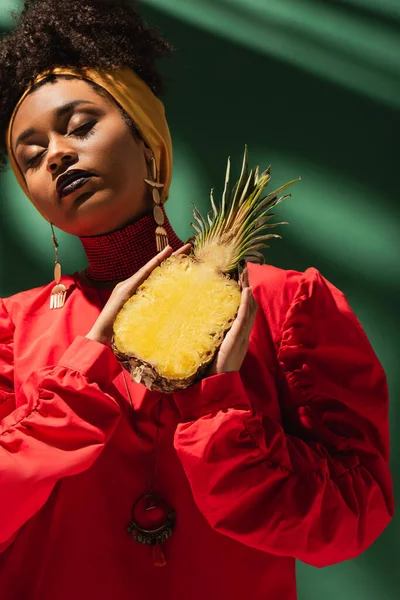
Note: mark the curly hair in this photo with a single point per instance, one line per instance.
(102, 34)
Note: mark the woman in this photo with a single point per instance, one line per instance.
(280, 453)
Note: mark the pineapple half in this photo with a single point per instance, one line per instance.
(169, 331)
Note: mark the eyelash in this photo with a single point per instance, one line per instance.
(91, 130)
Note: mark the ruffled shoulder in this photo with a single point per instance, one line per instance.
(6, 325)
(35, 300)
(329, 364)
(321, 327)
(274, 290)
(6, 361)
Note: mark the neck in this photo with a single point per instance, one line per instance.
(115, 256)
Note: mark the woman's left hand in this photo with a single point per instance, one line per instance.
(233, 349)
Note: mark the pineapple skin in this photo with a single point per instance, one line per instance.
(152, 376)
(147, 375)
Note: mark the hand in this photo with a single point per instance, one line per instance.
(233, 349)
(102, 330)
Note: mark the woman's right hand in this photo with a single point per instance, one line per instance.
(102, 330)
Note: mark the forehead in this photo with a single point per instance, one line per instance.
(38, 107)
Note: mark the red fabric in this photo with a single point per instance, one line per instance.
(286, 460)
(118, 254)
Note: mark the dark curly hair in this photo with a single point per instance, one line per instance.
(104, 34)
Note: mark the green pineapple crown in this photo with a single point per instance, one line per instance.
(235, 231)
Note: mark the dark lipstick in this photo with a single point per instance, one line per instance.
(72, 180)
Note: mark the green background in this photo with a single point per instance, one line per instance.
(313, 87)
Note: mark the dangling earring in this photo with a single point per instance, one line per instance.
(59, 291)
(158, 214)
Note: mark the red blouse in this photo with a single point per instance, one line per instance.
(286, 460)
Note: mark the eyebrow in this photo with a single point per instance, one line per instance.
(58, 112)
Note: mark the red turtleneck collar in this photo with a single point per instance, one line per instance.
(119, 254)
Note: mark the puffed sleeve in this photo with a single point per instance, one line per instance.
(57, 424)
(324, 494)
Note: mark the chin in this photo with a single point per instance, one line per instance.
(93, 214)
(97, 214)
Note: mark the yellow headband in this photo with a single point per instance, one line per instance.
(135, 97)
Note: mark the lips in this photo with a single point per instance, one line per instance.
(72, 180)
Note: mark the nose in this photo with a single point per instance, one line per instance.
(60, 157)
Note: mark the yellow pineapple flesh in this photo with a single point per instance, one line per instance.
(169, 331)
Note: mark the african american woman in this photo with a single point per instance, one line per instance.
(108, 489)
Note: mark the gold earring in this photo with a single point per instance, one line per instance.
(158, 214)
(59, 291)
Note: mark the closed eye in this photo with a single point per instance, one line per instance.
(82, 132)
(33, 162)
(85, 130)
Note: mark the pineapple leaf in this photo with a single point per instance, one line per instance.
(237, 228)
(226, 186)
(257, 257)
(215, 210)
(199, 218)
(239, 186)
(197, 230)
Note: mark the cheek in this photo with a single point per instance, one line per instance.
(40, 192)
(123, 159)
